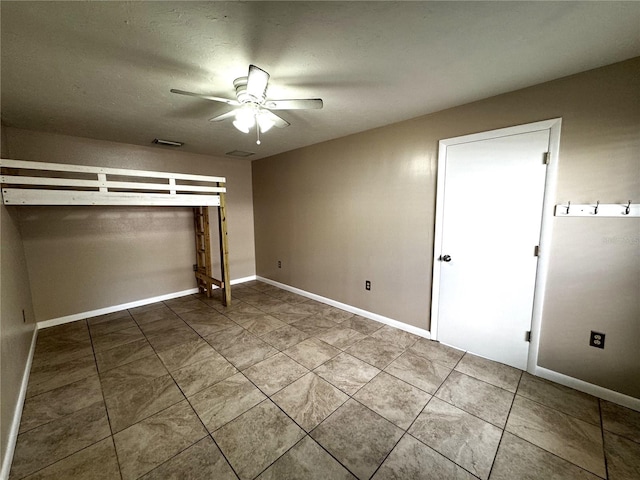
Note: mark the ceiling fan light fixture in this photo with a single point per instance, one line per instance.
(245, 120)
(264, 122)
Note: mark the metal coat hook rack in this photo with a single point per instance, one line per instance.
(598, 210)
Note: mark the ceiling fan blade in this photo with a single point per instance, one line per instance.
(277, 121)
(224, 116)
(228, 101)
(301, 104)
(257, 82)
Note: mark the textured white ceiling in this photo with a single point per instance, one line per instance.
(104, 69)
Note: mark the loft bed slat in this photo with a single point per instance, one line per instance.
(19, 177)
(72, 182)
(63, 167)
(32, 196)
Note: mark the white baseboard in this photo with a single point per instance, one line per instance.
(590, 388)
(7, 455)
(595, 390)
(116, 308)
(138, 303)
(349, 308)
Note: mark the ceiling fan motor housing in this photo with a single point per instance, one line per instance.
(242, 95)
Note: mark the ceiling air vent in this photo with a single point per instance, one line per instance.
(239, 153)
(168, 143)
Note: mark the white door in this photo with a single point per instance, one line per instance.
(491, 216)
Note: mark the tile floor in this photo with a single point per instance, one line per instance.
(281, 387)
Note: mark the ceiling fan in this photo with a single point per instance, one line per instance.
(254, 109)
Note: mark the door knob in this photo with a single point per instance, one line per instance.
(446, 258)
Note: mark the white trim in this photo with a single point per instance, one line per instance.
(546, 234)
(102, 190)
(590, 388)
(68, 167)
(349, 308)
(138, 303)
(554, 126)
(116, 308)
(32, 196)
(17, 413)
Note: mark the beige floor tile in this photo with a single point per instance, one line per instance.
(567, 400)
(160, 312)
(60, 402)
(275, 373)
(130, 352)
(172, 337)
(306, 460)
(621, 420)
(399, 337)
(375, 351)
(519, 459)
(312, 352)
(437, 352)
(137, 390)
(418, 371)
(395, 400)
(315, 325)
(563, 435)
(360, 324)
(200, 375)
(112, 326)
(464, 439)
(247, 351)
(116, 339)
(285, 337)
(153, 441)
(47, 377)
(184, 304)
(261, 324)
(202, 460)
(108, 317)
(45, 445)
(185, 354)
(224, 401)
(623, 457)
(357, 437)
(257, 438)
(347, 373)
(495, 373)
(340, 337)
(411, 459)
(228, 338)
(476, 397)
(96, 462)
(309, 400)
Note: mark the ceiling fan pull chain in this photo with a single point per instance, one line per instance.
(258, 133)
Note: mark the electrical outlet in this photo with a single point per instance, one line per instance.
(596, 339)
(279, 264)
(367, 285)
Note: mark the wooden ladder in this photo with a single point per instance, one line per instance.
(204, 275)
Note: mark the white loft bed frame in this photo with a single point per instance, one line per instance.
(38, 183)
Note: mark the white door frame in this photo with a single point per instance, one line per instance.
(553, 125)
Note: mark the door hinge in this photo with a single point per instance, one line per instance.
(536, 251)
(527, 336)
(546, 158)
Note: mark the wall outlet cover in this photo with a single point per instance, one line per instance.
(596, 339)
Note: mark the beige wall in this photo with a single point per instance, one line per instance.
(362, 207)
(15, 333)
(85, 258)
